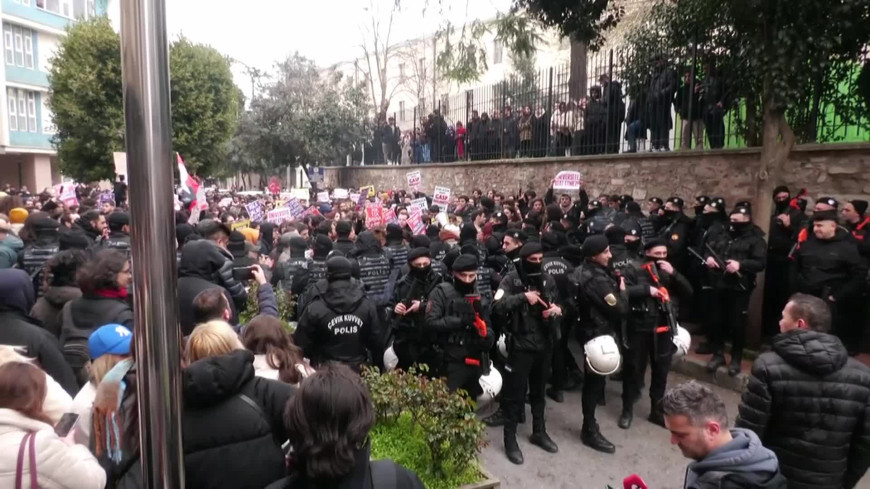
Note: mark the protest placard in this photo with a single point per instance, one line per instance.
(441, 197)
(301, 194)
(354, 197)
(414, 179)
(323, 197)
(295, 208)
(255, 210)
(68, 195)
(107, 197)
(368, 190)
(240, 224)
(374, 215)
(568, 180)
(390, 216)
(279, 215)
(415, 222)
(339, 193)
(421, 204)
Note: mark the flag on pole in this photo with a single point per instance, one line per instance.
(191, 185)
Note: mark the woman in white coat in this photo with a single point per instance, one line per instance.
(59, 463)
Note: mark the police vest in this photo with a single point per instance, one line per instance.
(33, 262)
(374, 272)
(291, 269)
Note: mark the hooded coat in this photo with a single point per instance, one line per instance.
(340, 325)
(201, 268)
(741, 463)
(232, 424)
(47, 308)
(19, 329)
(810, 403)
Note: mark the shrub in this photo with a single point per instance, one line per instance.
(415, 410)
(285, 307)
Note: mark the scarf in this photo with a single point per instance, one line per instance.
(107, 403)
(112, 294)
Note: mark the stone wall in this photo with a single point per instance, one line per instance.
(842, 171)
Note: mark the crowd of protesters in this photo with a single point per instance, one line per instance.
(490, 292)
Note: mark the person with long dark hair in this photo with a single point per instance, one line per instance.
(328, 423)
(276, 356)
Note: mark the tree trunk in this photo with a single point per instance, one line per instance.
(577, 76)
(777, 142)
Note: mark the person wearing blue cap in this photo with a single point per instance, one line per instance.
(107, 346)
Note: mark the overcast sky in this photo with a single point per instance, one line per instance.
(260, 32)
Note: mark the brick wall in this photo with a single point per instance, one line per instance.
(842, 171)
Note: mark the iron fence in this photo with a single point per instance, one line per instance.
(619, 102)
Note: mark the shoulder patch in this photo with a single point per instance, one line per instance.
(610, 299)
(675, 237)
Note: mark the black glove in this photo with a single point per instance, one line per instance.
(465, 311)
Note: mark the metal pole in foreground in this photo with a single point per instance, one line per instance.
(145, 66)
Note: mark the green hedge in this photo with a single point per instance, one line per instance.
(426, 428)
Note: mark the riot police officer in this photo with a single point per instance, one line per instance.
(410, 341)
(459, 322)
(602, 305)
(527, 298)
(652, 286)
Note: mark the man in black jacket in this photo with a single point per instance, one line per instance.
(740, 254)
(808, 401)
(460, 324)
(203, 265)
(341, 325)
(527, 298)
(676, 230)
(92, 224)
(649, 336)
(786, 223)
(344, 238)
(33, 257)
(828, 266)
(291, 271)
(409, 303)
(396, 246)
(601, 308)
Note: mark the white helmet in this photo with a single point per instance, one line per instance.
(602, 355)
(683, 340)
(391, 360)
(491, 385)
(502, 346)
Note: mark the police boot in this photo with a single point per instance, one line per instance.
(511, 447)
(541, 438)
(498, 418)
(626, 417)
(591, 437)
(555, 394)
(717, 361)
(656, 416)
(734, 366)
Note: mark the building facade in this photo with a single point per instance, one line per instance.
(31, 32)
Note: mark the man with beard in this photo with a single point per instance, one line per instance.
(410, 300)
(528, 298)
(459, 323)
(648, 334)
(742, 252)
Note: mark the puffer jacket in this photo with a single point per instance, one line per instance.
(810, 403)
(47, 308)
(58, 465)
(204, 266)
(232, 424)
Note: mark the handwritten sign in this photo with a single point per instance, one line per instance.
(567, 180)
(279, 215)
(339, 194)
(441, 198)
(414, 179)
(240, 224)
(255, 210)
(323, 197)
(296, 208)
(420, 204)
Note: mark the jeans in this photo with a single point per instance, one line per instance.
(632, 134)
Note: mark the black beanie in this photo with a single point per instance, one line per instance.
(465, 263)
(549, 241)
(468, 232)
(118, 220)
(594, 245)
(554, 213)
(394, 232)
(432, 231)
(860, 206)
(420, 241)
(236, 245)
(530, 249)
(781, 189)
(615, 235)
(322, 246)
(73, 240)
(338, 268)
(825, 216)
(632, 207)
(451, 257)
(298, 243)
(487, 203)
(653, 242)
(418, 253)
